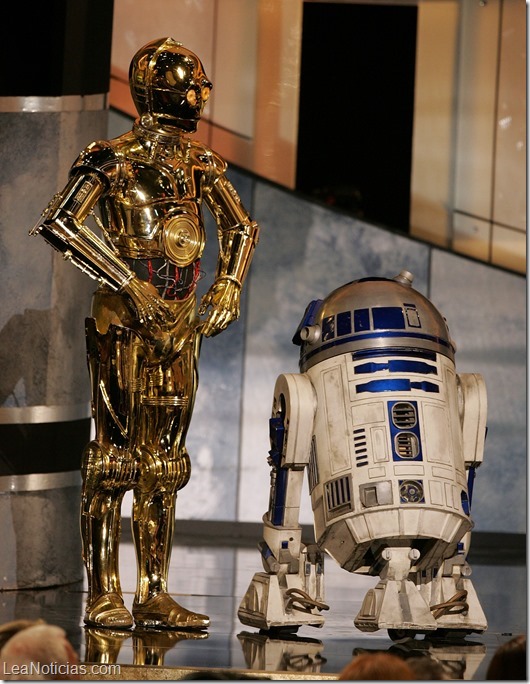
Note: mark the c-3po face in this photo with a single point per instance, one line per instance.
(169, 85)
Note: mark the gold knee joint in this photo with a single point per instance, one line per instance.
(108, 467)
(160, 470)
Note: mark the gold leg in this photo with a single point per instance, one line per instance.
(101, 530)
(153, 526)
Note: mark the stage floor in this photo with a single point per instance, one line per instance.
(212, 579)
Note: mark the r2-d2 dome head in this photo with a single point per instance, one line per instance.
(368, 315)
(168, 86)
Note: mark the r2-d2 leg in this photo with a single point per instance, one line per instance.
(290, 592)
(452, 598)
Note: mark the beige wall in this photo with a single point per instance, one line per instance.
(489, 206)
(433, 138)
(469, 161)
(468, 184)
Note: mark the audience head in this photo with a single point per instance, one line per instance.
(372, 666)
(39, 652)
(509, 660)
(9, 629)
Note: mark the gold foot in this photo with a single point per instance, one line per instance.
(165, 613)
(109, 612)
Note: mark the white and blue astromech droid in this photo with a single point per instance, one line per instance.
(390, 436)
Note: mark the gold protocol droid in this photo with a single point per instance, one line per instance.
(144, 334)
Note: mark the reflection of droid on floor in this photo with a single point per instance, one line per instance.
(286, 653)
(149, 646)
(390, 436)
(452, 659)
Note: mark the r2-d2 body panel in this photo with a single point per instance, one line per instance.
(390, 436)
(386, 458)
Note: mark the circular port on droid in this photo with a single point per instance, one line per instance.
(310, 333)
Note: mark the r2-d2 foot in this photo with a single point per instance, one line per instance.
(283, 600)
(290, 593)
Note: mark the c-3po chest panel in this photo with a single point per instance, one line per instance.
(157, 212)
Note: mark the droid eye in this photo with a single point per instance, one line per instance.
(170, 78)
(205, 93)
(191, 97)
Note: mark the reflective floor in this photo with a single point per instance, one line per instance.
(212, 580)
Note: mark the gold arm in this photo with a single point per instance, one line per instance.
(61, 225)
(238, 234)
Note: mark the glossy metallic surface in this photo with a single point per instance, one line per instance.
(64, 103)
(211, 577)
(34, 482)
(144, 334)
(168, 85)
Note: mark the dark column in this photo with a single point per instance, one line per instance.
(53, 101)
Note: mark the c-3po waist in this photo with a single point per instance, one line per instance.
(171, 281)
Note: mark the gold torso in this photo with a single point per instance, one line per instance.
(155, 209)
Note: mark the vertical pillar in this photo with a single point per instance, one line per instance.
(53, 101)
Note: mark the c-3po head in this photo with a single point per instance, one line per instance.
(169, 86)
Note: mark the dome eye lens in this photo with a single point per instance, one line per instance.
(170, 78)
